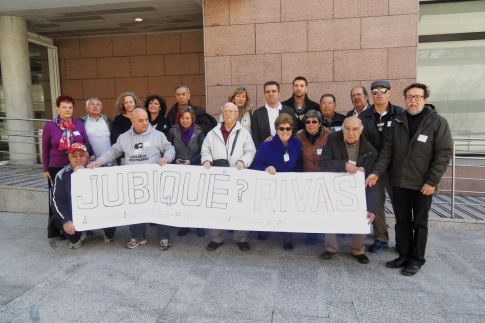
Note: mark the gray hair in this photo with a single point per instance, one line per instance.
(91, 99)
(232, 105)
(312, 114)
(183, 86)
(353, 118)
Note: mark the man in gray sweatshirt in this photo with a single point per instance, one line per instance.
(142, 144)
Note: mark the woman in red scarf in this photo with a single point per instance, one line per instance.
(57, 136)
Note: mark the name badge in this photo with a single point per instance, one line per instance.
(389, 123)
(380, 124)
(286, 157)
(319, 151)
(76, 133)
(422, 138)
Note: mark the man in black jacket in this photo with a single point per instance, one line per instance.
(262, 120)
(202, 118)
(377, 121)
(299, 101)
(78, 158)
(331, 119)
(360, 100)
(417, 154)
(348, 151)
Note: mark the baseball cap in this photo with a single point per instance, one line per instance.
(77, 146)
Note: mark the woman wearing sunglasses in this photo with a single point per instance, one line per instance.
(281, 154)
(313, 138)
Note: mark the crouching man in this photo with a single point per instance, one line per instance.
(78, 158)
(348, 151)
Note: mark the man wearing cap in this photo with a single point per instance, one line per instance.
(78, 158)
(377, 121)
(360, 100)
(142, 144)
(299, 101)
(417, 155)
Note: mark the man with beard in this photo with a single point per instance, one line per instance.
(299, 101)
(417, 155)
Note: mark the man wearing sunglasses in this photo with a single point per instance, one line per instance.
(377, 121)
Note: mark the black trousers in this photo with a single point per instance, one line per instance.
(411, 209)
(54, 224)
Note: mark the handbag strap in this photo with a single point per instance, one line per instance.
(234, 143)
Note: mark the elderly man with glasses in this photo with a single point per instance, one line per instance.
(417, 156)
(377, 121)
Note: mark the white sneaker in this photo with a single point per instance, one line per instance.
(79, 243)
(164, 244)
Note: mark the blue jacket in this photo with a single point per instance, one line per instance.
(61, 196)
(271, 153)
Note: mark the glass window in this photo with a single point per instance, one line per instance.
(451, 61)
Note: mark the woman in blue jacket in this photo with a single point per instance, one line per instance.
(281, 154)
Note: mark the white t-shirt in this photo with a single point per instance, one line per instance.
(98, 134)
(273, 113)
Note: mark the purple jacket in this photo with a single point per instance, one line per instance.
(51, 135)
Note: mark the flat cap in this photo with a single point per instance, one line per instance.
(380, 83)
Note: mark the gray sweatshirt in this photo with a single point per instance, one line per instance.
(144, 148)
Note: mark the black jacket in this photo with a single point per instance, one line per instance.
(260, 129)
(421, 159)
(204, 120)
(337, 121)
(309, 105)
(61, 195)
(373, 122)
(160, 123)
(335, 155)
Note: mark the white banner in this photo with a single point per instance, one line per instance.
(220, 198)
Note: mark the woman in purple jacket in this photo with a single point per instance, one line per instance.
(57, 137)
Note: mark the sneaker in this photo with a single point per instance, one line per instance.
(183, 231)
(133, 243)
(243, 246)
(77, 245)
(164, 244)
(378, 246)
(327, 255)
(106, 239)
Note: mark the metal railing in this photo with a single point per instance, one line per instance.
(468, 152)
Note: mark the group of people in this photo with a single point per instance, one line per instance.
(402, 151)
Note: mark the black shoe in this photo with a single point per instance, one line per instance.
(361, 258)
(410, 269)
(262, 236)
(288, 246)
(243, 246)
(213, 245)
(327, 255)
(183, 231)
(200, 232)
(396, 263)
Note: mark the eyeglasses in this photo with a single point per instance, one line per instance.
(415, 97)
(311, 121)
(285, 128)
(380, 91)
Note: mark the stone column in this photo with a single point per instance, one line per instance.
(17, 87)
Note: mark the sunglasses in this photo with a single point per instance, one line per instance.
(285, 129)
(311, 121)
(380, 91)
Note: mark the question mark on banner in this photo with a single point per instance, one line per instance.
(242, 187)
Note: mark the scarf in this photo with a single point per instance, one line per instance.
(313, 138)
(67, 128)
(187, 133)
